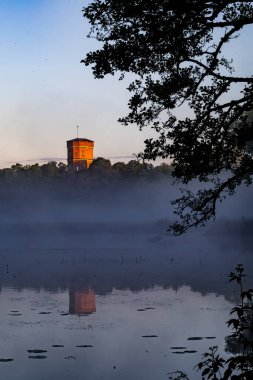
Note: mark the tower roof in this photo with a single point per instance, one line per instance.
(80, 139)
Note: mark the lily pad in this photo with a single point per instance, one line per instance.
(36, 351)
(70, 357)
(195, 338)
(149, 336)
(2, 360)
(37, 357)
(190, 351)
(184, 352)
(84, 345)
(57, 345)
(210, 337)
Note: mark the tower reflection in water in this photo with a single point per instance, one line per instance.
(82, 301)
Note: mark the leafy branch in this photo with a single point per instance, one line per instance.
(240, 365)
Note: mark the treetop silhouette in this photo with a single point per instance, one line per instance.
(175, 51)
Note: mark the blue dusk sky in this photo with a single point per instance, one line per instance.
(46, 91)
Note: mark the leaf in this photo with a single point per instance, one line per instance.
(206, 371)
(227, 373)
(233, 322)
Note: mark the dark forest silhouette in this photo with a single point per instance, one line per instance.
(100, 168)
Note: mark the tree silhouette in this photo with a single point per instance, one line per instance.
(175, 49)
(101, 166)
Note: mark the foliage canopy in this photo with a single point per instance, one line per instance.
(100, 169)
(175, 50)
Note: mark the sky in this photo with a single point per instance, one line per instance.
(46, 92)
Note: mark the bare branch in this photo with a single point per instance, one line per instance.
(231, 103)
(218, 76)
(235, 23)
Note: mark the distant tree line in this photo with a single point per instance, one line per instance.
(100, 168)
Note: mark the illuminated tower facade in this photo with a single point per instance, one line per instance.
(80, 153)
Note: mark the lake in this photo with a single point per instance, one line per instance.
(115, 301)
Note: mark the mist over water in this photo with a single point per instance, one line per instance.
(90, 275)
(122, 201)
(105, 200)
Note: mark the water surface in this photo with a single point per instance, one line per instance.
(108, 304)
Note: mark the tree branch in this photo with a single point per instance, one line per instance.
(238, 23)
(223, 40)
(231, 103)
(204, 203)
(218, 76)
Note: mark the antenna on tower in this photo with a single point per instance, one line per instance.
(77, 130)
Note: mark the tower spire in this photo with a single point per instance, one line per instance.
(77, 131)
